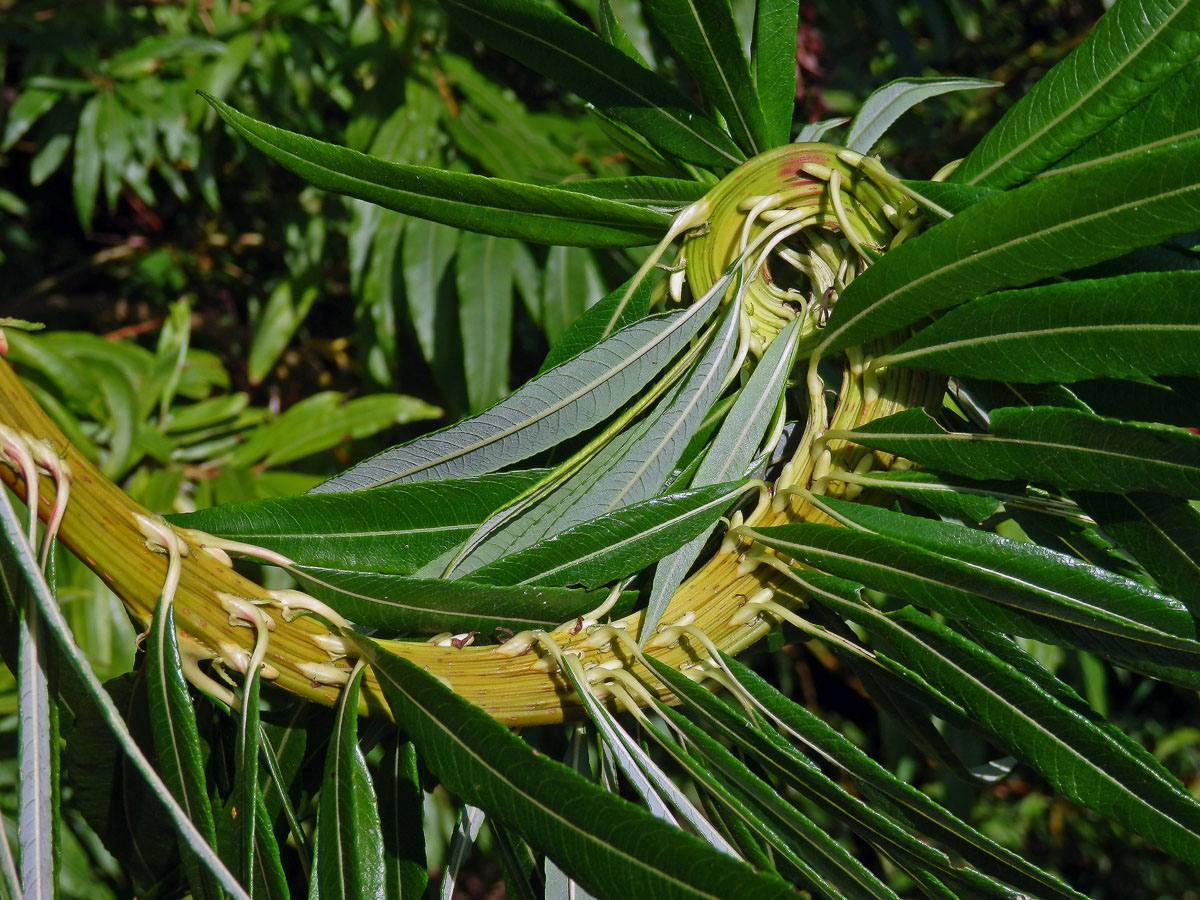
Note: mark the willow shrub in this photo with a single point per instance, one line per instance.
(931, 425)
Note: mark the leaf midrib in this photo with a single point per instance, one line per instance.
(1003, 336)
(1021, 442)
(720, 69)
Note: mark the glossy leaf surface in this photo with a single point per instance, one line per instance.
(1124, 327)
(704, 37)
(609, 846)
(395, 529)
(549, 42)
(1131, 51)
(1063, 447)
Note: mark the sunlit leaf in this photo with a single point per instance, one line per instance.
(1126, 327)
(1131, 51)
(472, 202)
(888, 103)
(1017, 237)
(554, 406)
(609, 846)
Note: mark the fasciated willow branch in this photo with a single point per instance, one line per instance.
(804, 206)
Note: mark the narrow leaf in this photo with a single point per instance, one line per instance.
(394, 529)
(177, 740)
(705, 38)
(571, 284)
(616, 544)
(554, 406)
(650, 779)
(887, 104)
(728, 457)
(923, 813)
(551, 43)
(1133, 49)
(401, 814)
(776, 23)
(586, 331)
(1064, 447)
(349, 864)
(1017, 237)
(1161, 532)
(1166, 116)
(609, 846)
(630, 468)
(1077, 758)
(36, 822)
(484, 272)
(18, 570)
(431, 605)
(471, 202)
(1126, 327)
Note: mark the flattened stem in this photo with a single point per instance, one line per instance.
(101, 527)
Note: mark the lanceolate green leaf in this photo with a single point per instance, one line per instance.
(571, 284)
(37, 828)
(591, 327)
(614, 32)
(704, 36)
(349, 858)
(1064, 447)
(401, 815)
(728, 457)
(887, 104)
(628, 469)
(177, 740)
(946, 198)
(648, 778)
(916, 807)
(823, 865)
(648, 191)
(395, 529)
(471, 202)
(549, 42)
(609, 846)
(1126, 327)
(246, 797)
(1079, 759)
(1041, 229)
(431, 605)
(774, 58)
(1168, 115)
(957, 498)
(1132, 50)
(554, 406)
(1029, 577)
(614, 545)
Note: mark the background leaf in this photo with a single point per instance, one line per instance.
(551, 43)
